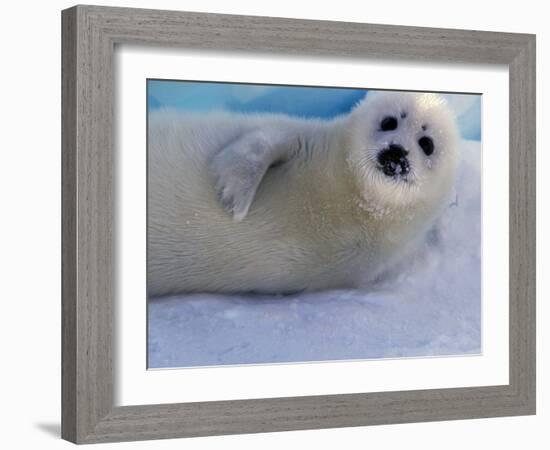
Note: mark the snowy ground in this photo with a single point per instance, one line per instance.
(430, 307)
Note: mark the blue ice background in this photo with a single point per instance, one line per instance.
(296, 101)
(429, 307)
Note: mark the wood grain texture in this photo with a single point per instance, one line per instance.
(68, 226)
(90, 34)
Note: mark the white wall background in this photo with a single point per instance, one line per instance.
(30, 224)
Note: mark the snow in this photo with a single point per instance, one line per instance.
(429, 307)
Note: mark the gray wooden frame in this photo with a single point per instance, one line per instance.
(89, 37)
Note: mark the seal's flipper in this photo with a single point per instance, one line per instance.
(238, 168)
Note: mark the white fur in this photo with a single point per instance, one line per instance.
(326, 217)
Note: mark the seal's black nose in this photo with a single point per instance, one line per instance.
(393, 160)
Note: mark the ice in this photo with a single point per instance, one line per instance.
(294, 101)
(430, 306)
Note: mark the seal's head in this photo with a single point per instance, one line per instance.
(402, 147)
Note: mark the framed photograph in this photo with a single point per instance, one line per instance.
(278, 224)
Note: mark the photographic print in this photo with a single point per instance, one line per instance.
(293, 224)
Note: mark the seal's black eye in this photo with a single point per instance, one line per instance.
(426, 144)
(388, 123)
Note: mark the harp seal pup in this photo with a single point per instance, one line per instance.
(273, 204)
